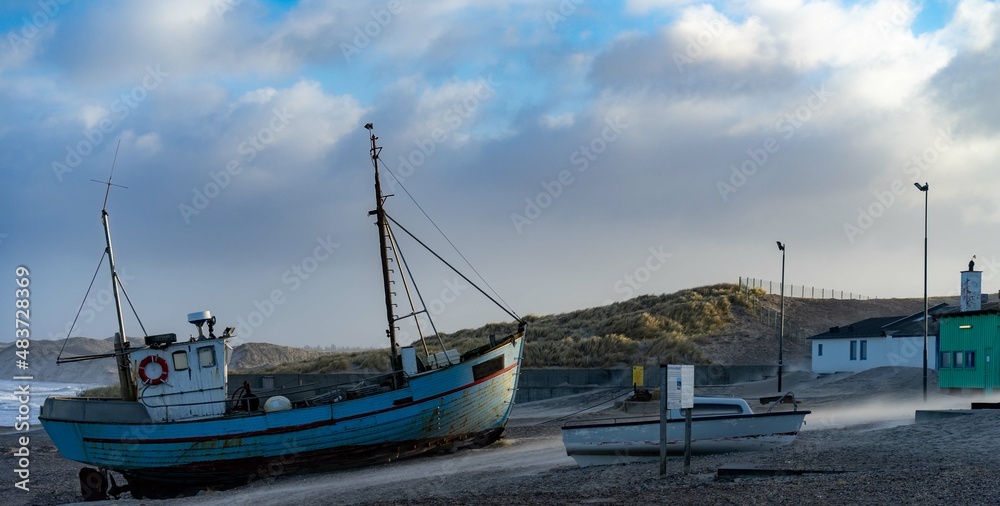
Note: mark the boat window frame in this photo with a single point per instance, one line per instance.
(178, 365)
(210, 353)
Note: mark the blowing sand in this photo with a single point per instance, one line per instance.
(860, 436)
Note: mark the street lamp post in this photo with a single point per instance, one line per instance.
(924, 189)
(781, 327)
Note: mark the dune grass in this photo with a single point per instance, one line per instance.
(376, 360)
(638, 331)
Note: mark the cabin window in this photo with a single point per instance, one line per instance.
(180, 360)
(854, 350)
(945, 359)
(206, 356)
(864, 350)
(970, 359)
(819, 351)
(959, 362)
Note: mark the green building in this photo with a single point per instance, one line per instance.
(969, 342)
(967, 357)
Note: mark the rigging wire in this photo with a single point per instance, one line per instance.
(136, 314)
(456, 271)
(114, 276)
(400, 182)
(420, 297)
(406, 287)
(78, 311)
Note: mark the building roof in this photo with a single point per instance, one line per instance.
(988, 308)
(889, 326)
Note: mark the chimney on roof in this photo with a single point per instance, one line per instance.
(972, 284)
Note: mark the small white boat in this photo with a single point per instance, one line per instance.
(718, 425)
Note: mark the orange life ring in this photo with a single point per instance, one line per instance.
(163, 370)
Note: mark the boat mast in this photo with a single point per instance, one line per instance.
(383, 232)
(121, 342)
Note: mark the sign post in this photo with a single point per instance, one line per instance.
(676, 392)
(687, 440)
(663, 420)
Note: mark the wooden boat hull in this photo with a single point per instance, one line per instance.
(466, 403)
(639, 440)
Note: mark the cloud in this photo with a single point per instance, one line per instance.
(558, 121)
(813, 112)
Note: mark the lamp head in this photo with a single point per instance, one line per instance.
(923, 188)
(781, 246)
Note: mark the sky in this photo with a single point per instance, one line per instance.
(576, 153)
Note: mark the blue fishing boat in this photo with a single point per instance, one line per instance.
(176, 427)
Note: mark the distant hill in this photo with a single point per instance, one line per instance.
(719, 324)
(42, 361)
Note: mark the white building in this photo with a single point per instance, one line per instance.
(878, 342)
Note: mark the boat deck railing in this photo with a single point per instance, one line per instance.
(311, 394)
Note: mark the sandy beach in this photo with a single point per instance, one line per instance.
(859, 445)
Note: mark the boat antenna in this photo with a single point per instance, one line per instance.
(125, 380)
(383, 237)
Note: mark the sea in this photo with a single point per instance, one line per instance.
(10, 391)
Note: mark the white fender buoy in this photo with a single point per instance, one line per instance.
(277, 403)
